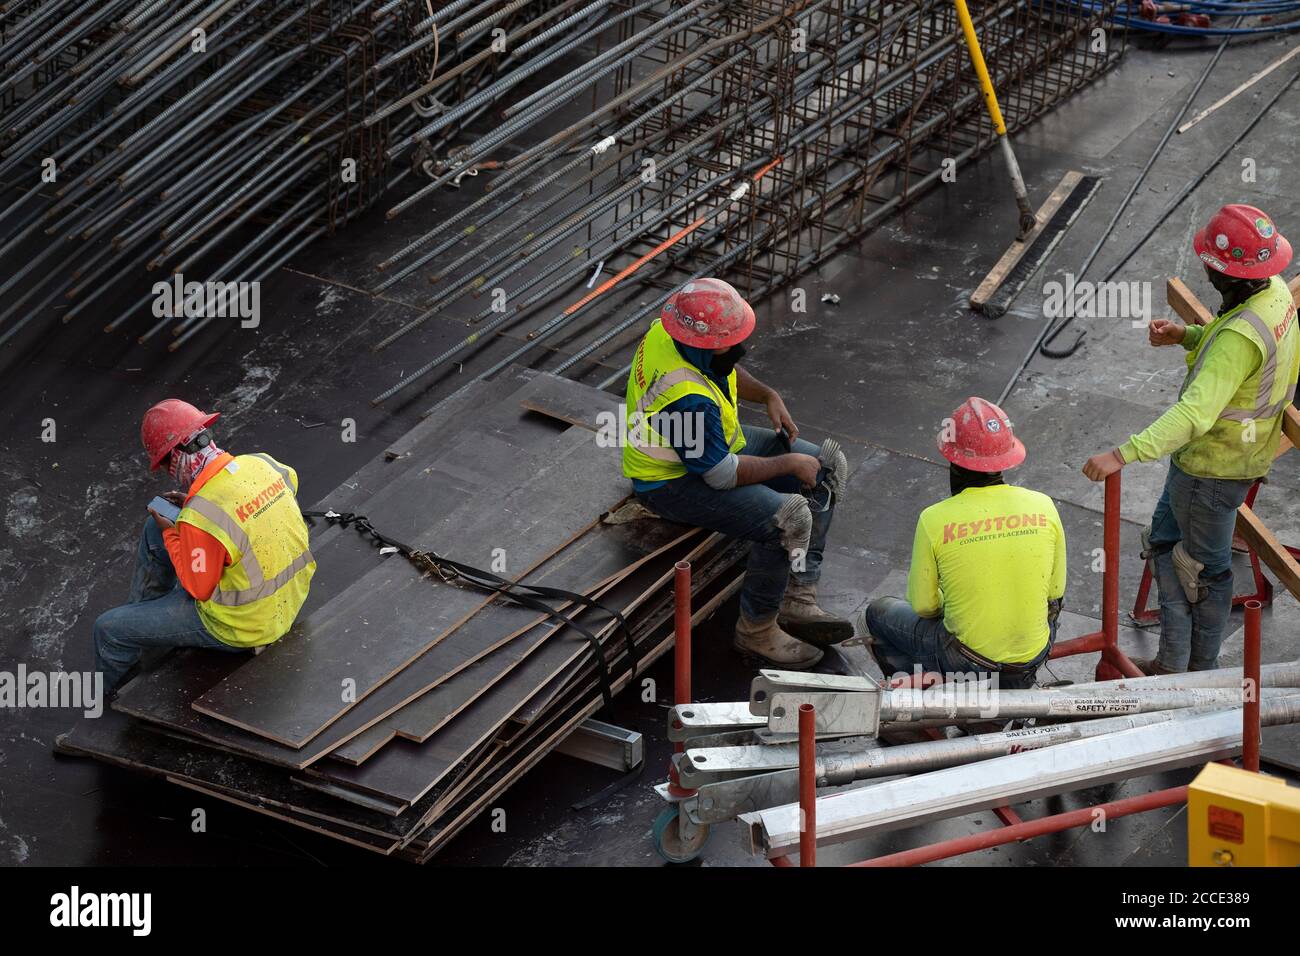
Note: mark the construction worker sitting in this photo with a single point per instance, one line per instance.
(988, 566)
(233, 570)
(683, 452)
(1223, 432)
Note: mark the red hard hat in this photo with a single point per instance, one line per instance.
(170, 423)
(981, 438)
(1242, 242)
(707, 314)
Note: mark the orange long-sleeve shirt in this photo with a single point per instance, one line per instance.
(198, 557)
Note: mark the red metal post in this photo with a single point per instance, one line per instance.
(1250, 690)
(1031, 828)
(808, 785)
(681, 658)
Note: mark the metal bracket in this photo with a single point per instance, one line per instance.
(838, 714)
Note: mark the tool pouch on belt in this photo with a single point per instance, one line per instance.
(1188, 570)
(1148, 552)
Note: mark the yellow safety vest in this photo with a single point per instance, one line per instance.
(660, 376)
(251, 507)
(1243, 441)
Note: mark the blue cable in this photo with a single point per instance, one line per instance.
(1177, 29)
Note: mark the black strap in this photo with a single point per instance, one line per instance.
(526, 595)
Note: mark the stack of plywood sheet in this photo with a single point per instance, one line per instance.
(401, 704)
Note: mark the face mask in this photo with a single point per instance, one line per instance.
(185, 466)
(1222, 283)
(723, 362)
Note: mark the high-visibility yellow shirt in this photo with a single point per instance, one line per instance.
(1241, 375)
(989, 559)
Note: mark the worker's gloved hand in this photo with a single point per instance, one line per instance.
(1165, 332)
(1054, 610)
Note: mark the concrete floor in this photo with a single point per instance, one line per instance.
(878, 370)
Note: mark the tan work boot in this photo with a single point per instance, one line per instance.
(766, 641)
(1152, 667)
(801, 617)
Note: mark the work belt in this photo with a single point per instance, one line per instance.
(983, 663)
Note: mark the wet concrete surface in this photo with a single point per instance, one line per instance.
(878, 370)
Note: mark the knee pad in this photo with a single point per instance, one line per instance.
(831, 455)
(794, 520)
(1189, 571)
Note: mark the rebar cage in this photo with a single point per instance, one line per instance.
(749, 139)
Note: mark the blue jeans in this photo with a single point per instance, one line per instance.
(158, 613)
(746, 513)
(905, 640)
(1201, 513)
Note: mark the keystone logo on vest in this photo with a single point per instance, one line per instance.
(268, 496)
(76, 909)
(208, 300)
(957, 530)
(1279, 330)
(1098, 300)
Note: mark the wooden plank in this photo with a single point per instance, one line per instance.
(1291, 425)
(610, 554)
(457, 411)
(1270, 551)
(295, 689)
(1185, 303)
(116, 739)
(380, 845)
(1018, 247)
(540, 738)
(568, 401)
(407, 771)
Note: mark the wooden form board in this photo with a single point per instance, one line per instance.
(529, 749)
(381, 845)
(607, 555)
(296, 689)
(116, 739)
(568, 401)
(406, 771)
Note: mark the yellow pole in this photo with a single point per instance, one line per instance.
(1027, 218)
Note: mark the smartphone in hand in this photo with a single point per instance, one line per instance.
(164, 509)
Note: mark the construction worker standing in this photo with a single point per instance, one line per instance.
(233, 570)
(988, 566)
(1223, 431)
(683, 452)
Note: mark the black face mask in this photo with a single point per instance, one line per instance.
(959, 478)
(1234, 291)
(723, 362)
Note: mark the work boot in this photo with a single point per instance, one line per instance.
(771, 645)
(1151, 667)
(801, 617)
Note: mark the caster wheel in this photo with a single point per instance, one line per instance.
(668, 838)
